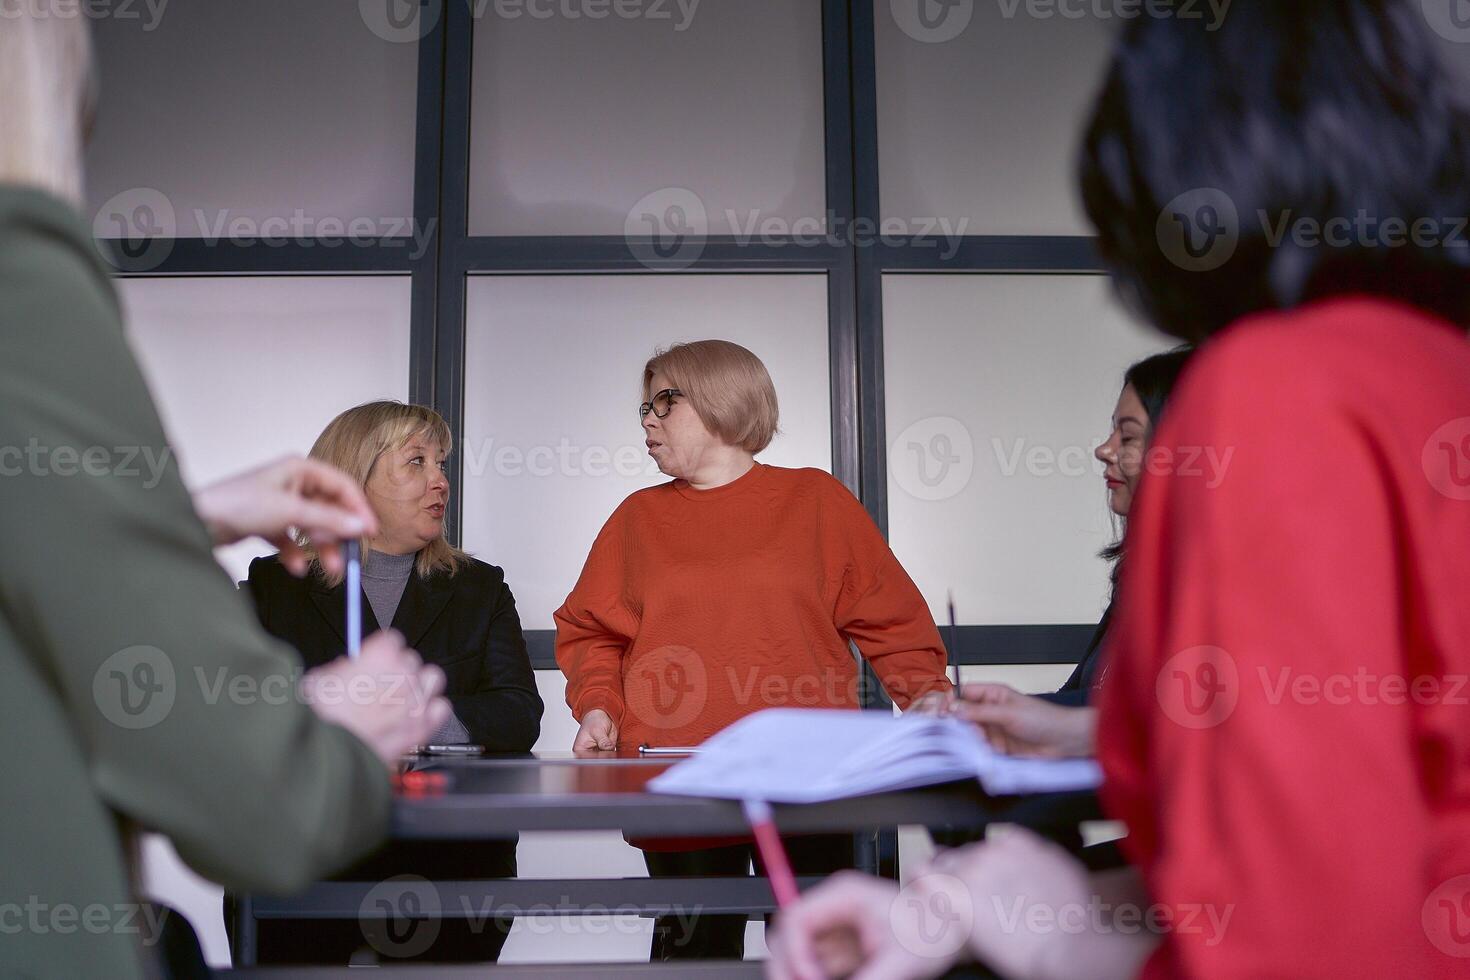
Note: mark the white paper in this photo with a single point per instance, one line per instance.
(797, 755)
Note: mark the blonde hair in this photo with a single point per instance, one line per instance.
(46, 94)
(728, 387)
(354, 442)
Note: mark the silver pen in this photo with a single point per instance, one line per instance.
(646, 749)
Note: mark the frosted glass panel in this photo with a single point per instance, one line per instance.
(248, 110)
(980, 109)
(998, 389)
(247, 369)
(553, 369)
(576, 121)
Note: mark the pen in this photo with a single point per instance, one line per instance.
(772, 851)
(953, 639)
(456, 749)
(353, 553)
(646, 749)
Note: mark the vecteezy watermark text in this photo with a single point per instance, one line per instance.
(37, 916)
(38, 459)
(122, 10)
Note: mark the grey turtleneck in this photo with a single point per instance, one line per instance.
(384, 577)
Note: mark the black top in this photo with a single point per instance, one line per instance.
(465, 623)
(1075, 692)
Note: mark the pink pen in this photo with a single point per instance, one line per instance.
(772, 851)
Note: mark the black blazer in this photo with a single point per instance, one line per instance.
(467, 624)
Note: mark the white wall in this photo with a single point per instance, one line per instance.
(979, 118)
(247, 369)
(724, 102)
(250, 109)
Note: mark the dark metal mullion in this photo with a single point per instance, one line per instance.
(428, 159)
(873, 478)
(613, 254)
(876, 853)
(321, 257)
(449, 335)
(1059, 254)
(841, 311)
(1029, 644)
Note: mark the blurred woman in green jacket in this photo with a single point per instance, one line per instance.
(137, 686)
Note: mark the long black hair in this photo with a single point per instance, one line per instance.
(1213, 154)
(1153, 379)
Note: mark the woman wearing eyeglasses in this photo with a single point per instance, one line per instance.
(732, 588)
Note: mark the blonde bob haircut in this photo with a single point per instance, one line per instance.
(47, 93)
(354, 442)
(728, 387)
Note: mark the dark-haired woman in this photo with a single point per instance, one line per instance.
(1284, 725)
(1064, 722)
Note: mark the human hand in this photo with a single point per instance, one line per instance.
(1020, 724)
(1027, 879)
(854, 925)
(387, 696)
(597, 733)
(306, 495)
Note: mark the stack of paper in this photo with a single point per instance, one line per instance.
(807, 755)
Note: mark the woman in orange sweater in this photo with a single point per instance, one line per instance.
(733, 588)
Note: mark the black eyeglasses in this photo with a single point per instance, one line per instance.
(661, 405)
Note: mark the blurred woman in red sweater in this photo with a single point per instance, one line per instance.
(1286, 723)
(734, 587)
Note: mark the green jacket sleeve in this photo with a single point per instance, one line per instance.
(184, 708)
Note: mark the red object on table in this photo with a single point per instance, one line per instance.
(420, 783)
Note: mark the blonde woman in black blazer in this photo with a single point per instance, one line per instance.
(459, 614)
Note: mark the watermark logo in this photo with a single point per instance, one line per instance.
(933, 916)
(400, 21)
(141, 222)
(135, 688)
(36, 458)
(565, 459)
(667, 228)
(678, 13)
(37, 917)
(666, 688)
(1106, 10)
(1096, 916)
(1199, 688)
(838, 231)
(142, 225)
(400, 916)
(1445, 917)
(1450, 19)
(933, 459)
(1446, 459)
(932, 21)
(148, 12)
(309, 231)
(1361, 687)
(1199, 230)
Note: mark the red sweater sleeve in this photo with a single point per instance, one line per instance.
(595, 626)
(882, 611)
(1257, 779)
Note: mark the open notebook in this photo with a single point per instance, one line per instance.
(808, 755)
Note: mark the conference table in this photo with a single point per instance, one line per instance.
(498, 796)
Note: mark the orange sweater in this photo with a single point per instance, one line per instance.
(697, 608)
